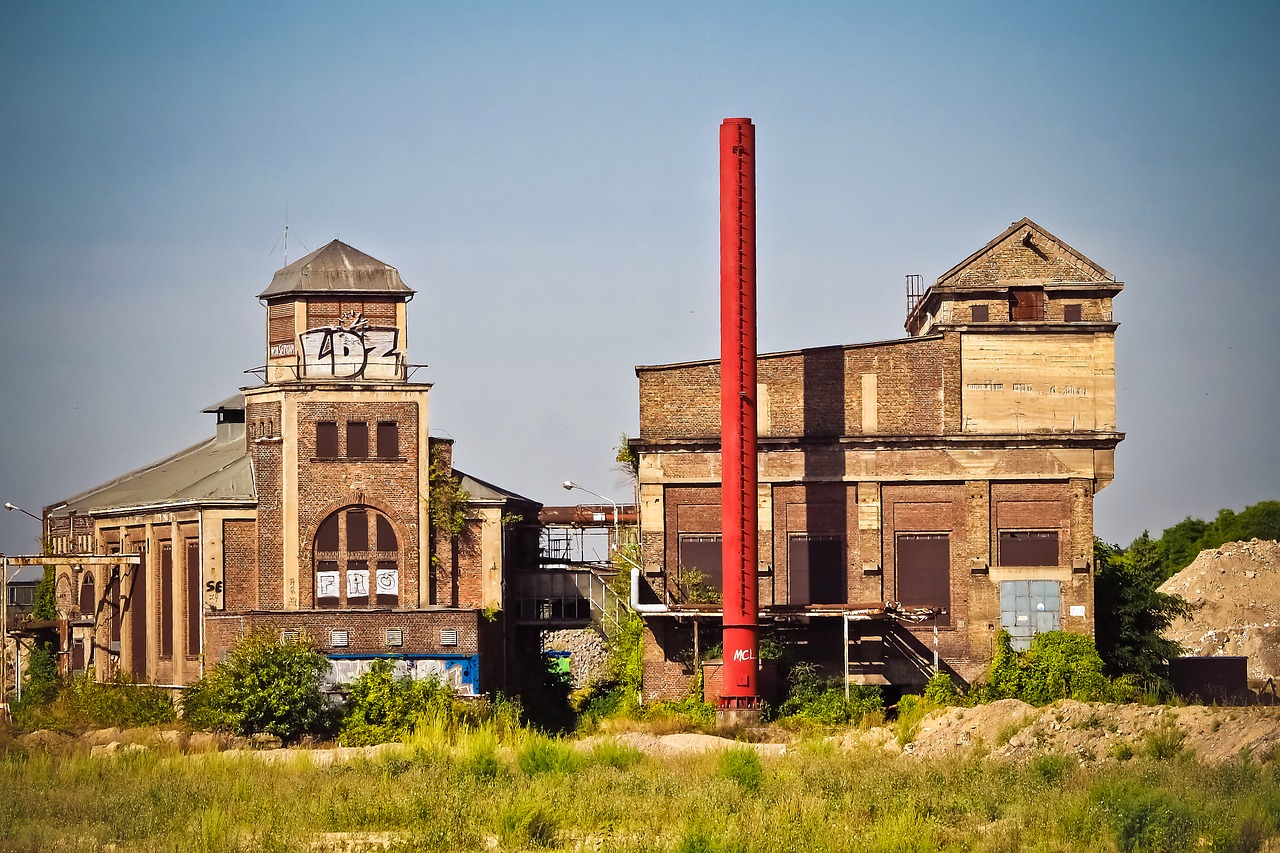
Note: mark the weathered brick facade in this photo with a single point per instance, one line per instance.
(954, 469)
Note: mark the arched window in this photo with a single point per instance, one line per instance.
(357, 560)
(88, 601)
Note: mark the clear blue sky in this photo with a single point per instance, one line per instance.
(544, 174)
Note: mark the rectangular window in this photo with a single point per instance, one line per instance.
(1028, 547)
(924, 571)
(357, 440)
(327, 440)
(327, 535)
(357, 583)
(388, 440)
(981, 313)
(703, 553)
(357, 530)
(326, 583)
(816, 566)
(166, 600)
(386, 536)
(1026, 303)
(138, 619)
(195, 597)
(1071, 312)
(387, 579)
(113, 592)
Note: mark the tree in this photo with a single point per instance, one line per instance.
(1132, 613)
(264, 685)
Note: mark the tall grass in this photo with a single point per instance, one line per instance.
(474, 788)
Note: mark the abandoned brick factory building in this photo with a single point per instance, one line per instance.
(951, 472)
(307, 512)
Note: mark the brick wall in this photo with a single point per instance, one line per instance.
(240, 565)
(268, 480)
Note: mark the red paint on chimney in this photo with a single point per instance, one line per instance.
(739, 521)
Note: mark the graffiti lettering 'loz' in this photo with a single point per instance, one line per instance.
(355, 351)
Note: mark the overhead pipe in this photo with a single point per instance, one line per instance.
(739, 521)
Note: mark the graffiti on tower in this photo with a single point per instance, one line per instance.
(353, 349)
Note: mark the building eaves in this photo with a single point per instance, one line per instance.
(486, 492)
(792, 352)
(234, 403)
(336, 268)
(218, 470)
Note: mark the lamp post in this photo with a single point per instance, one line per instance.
(569, 485)
(4, 614)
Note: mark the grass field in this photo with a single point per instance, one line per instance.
(475, 791)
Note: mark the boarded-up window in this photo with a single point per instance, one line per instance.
(386, 536)
(816, 566)
(924, 571)
(113, 595)
(327, 583)
(77, 656)
(388, 440)
(327, 536)
(327, 439)
(280, 323)
(194, 597)
(88, 600)
(387, 583)
(1026, 303)
(1028, 547)
(357, 530)
(703, 553)
(357, 583)
(357, 440)
(981, 313)
(166, 600)
(1071, 312)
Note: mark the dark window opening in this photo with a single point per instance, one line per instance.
(327, 440)
(1026, 304)
(357, 440)
(113, 594)
(388, 440)
(386, 536)
(1028, 547)
(1071, 312)
(327, 536)
(980, 313)
(357, 530)
(816, 565)
(166, 600)
(703, 553)
(138, 620)
(88, 600)
(195, 597)
(327, 583)
(924, 571)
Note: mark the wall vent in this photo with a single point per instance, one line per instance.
(449, 637)
(291, 635)
(395, 637)
(339, 638)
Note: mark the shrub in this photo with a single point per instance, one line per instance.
(84, 703)
(742, 765)
(382, 707)
(547, 755)
(816, 699)
(941, 690)
(1058, 665)
(264, 685)
(911, 711)
(1137, 818)
(1164, 741)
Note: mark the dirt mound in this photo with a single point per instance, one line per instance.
(1236, 592)
(1094, 732)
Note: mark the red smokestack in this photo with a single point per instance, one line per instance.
(738, 501)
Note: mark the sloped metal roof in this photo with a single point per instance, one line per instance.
(336, 268)
(217, 470)
(234, 403)
(483, 492)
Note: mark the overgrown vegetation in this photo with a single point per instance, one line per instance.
(266, 685)
(1132, 612)
(82, 703)
(447, 500)
(813, 698)
(480, 789)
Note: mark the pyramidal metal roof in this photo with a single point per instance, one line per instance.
(336, 268)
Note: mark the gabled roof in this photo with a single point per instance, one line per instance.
(336, 268)
(1053, 259)
(217, 470)
(485, 492)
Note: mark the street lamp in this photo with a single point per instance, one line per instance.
(12, 507)
(569, 485)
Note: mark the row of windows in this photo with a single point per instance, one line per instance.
(817, 564)
(1028, 305)
(387, 436)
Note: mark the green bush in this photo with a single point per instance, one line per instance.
(1058, 665)
(741, 764)
(83, 703)
(382, 707)
(816, 699)
(264, 685)
(941, 690)
(1137, 818)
